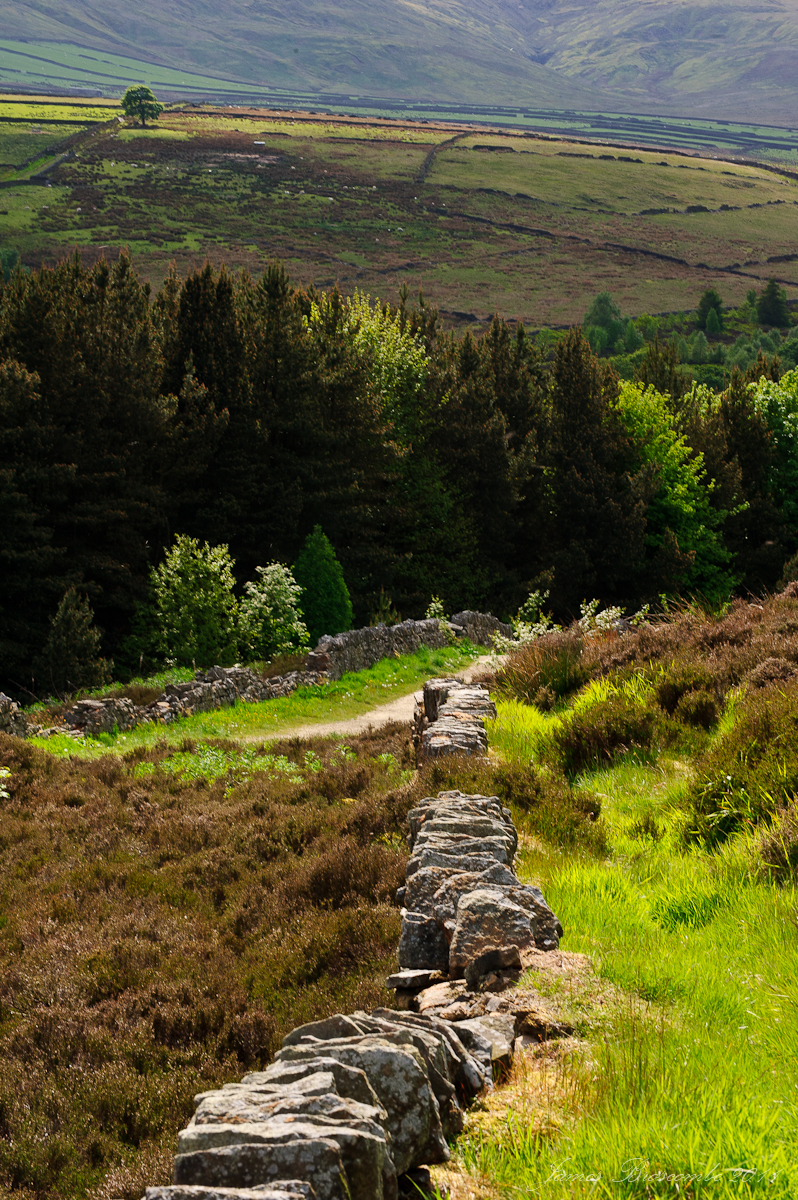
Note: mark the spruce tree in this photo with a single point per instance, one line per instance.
(593, 535)
(325, 601)
(771, 307)
(70, 659)
(710, 302)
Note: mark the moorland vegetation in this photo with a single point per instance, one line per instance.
(172, 905)
(485, 220)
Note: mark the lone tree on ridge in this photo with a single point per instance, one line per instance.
(138, 101)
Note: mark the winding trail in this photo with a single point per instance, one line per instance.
(401, 709)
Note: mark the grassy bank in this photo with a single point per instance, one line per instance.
(684, 1079)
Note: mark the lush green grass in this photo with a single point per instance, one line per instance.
(351, 696)
(686, 1084)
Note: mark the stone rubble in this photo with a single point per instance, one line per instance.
(12, 718)
(357, 1106)
(450, 719)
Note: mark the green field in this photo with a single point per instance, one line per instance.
(484, 221)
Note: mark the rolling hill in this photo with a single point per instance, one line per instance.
(736, 61)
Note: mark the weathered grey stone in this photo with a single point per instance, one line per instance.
(499, 958)
(318, 1083)
(101, 716)
(284, 1189)
(453, 864)
(456, 800)
(350, 1079)
(472, 854)
(412, 980)
(422, 944)
(467, 1073)
(399, 1077)
(249, 1106)
(12, 718)
(498, 1032)
(365, 1154)
(440, 1061)
(316, 1160)
(451, 719)
(479, 628)
(336, 1026)
(486, 919)
(421, 888)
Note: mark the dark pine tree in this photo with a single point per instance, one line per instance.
(595, 532)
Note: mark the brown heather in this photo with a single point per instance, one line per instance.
(159, 935)
(754, 642)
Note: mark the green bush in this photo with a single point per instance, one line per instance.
(698, 708)
(70, 659)
(551, 665)
(678, 680)
(325, 597)
(195, 611)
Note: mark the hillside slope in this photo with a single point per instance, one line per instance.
(735, 61)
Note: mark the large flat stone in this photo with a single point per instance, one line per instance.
(318, 1161)
(398, 1075)
(350, 1080)
(410, 979)
(365, 1154)
(318, 1083)
(286, 1189)
(331, 1027)
(251, 1106)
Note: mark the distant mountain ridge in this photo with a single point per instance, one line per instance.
(736, 61)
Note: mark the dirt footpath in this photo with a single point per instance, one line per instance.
(397, 710)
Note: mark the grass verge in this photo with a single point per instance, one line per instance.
(353, 695)
(686, 1083)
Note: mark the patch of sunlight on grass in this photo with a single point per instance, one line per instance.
(520, 730)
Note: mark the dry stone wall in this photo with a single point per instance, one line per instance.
(450, 719)
(361, 648)
(220, 687)
(359, 1106)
